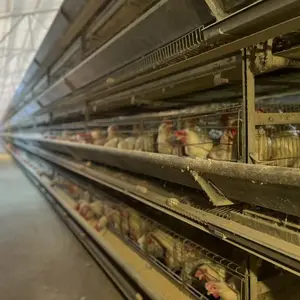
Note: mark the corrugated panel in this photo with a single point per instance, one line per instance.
(59, 25)
(32, 69)
(231, 6)
(31, 108)
(72, 7)
(40, 86)
(66, 56)
(43, 119)
(57, 91)
(161, 24)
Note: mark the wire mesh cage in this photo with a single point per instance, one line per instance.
(165, 248)
(72, 190)
(202, 272)
(209, 274)
(214, 135)
(278, 142)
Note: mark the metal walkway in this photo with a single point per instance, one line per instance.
(39, 256)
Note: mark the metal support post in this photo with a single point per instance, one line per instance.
(86, 116)
(253, 265)
(248, 130)
(51, 122)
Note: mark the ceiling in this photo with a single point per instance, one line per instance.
(23, 26)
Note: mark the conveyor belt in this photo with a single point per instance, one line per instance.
(39, 255)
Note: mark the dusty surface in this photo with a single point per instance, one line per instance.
(152, 279)
(40, 259)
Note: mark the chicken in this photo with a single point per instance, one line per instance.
(78, 204)
(85, 195)
(85, 210)
(145, 142)
(262, 146)
(197, 144)
(59, 181)
(142, 242)
(219, 289)
(209, 271)
(101, 223)
(285, 149)
(297, 163)
(73, 137)
(136, 224)
(74, 191)
(115, 220)
(172, 249)
(165, 138)
(98, 137)
(113, 137)
(152, 246)
(127, 143)
(139, 143)
(224, 150)
(97, 208)
(66, 136)
(83, 138)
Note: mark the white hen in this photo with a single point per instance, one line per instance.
(224, 150)
(113, 137)
(197, 144)
(164, 138)
(222, 290)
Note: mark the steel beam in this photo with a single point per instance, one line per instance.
(276, 118)
(253, 269)
(248, 133)
(27, 13)
(247, 19)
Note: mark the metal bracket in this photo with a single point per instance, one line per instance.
(276, 118)
(73, 153)
(213, 194)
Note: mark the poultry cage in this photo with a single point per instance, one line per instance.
(215, 135)
(176, 256)
(202, 272)
(205, 274)
(278, 141)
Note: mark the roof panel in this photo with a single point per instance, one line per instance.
(23, 26)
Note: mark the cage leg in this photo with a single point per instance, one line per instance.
(248, 136)
(86, 116)
(253, 265)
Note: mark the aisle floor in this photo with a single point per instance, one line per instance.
(40, 259)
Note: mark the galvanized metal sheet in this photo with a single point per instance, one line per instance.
(72, 7)
(31, 71)
(282, 198)
(41, 85)
(56, 91)
(43, 119)
(231, 6)
(161, 24)
(59, 26)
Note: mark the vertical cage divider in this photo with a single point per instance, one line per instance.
(248, 106)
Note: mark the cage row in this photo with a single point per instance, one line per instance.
(207, 274)
(277, 145)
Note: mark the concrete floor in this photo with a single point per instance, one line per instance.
(40, 259)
